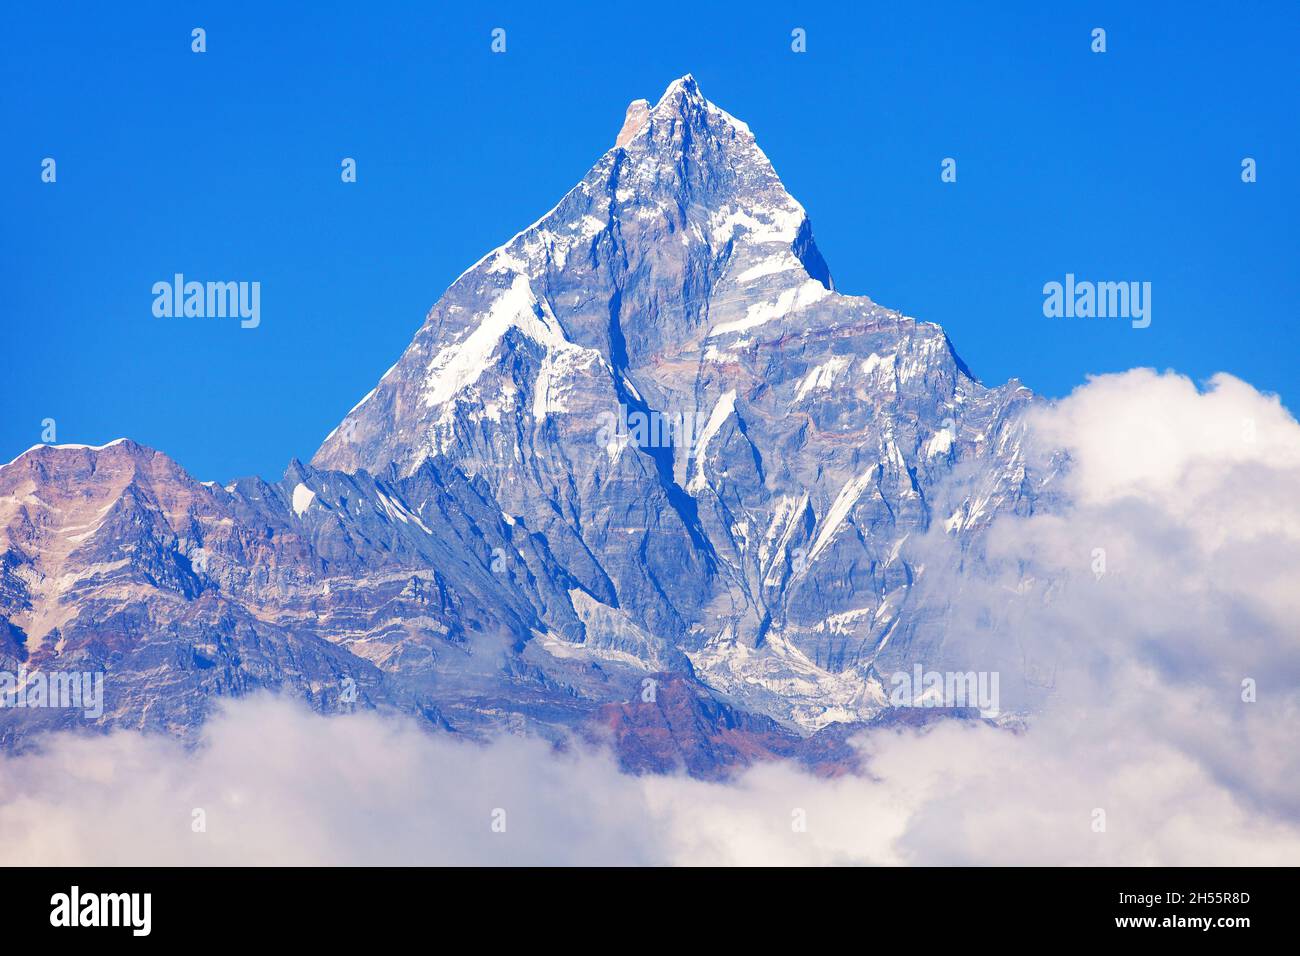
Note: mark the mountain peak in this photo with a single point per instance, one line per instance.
(686, 86)
(684, 214)
(126, 444)
(681, 100)
(644, 436)
(637, 111)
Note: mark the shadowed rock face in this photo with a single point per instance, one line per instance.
(645, 436)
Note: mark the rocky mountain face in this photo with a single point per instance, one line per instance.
(642, 447)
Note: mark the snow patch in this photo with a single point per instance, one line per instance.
(791, 300)
(840, 509)
(369, 395)
(939, 443)
(459, 366)
(823, 375)
(396, 510)
(302, 499)
(874, 361)
(770, 266)
(726, 404)
(780, 680)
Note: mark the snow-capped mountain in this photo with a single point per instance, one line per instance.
(644, 438)
(680, 280)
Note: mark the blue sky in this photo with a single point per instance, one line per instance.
(225, 165)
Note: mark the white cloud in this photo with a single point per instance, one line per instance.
(281, 785)
(1198, 516)
(1141, 433)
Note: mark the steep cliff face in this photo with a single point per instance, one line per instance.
(643, 441)
(727, 454)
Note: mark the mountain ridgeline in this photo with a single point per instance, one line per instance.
(643, 474)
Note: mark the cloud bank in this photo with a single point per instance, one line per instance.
(1165, 682)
